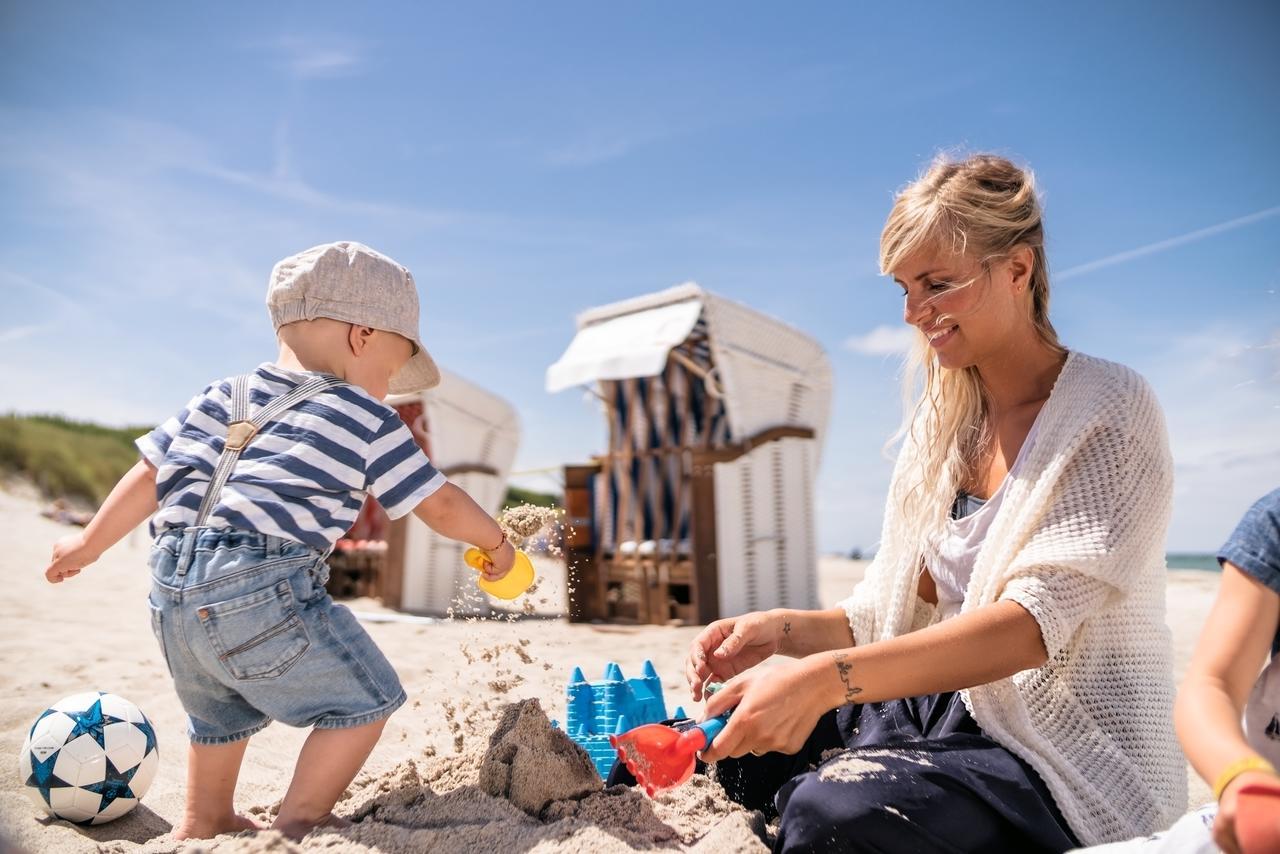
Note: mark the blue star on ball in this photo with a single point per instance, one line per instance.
(92, 722)
(150, 733)
(114, 785)
(43, 778)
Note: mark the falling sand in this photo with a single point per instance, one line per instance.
(528, 787)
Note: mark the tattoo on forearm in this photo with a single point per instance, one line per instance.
(784, 636)
(845, 669)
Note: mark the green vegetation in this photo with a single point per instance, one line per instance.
(77, 459)
(516, 496)
(65, 458)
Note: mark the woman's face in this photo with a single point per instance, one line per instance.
(970, 312)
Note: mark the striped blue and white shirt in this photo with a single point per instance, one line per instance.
(304, 476)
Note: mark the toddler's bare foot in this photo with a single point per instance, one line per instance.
(337, 822)
(207, 828)
(295, 830)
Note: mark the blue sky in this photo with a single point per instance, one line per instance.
(527, 161)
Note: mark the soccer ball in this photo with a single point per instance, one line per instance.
(89, 758)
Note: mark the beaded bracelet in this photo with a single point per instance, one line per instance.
(502, 542)
(1235, 769)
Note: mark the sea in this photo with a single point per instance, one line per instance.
(1186, 560)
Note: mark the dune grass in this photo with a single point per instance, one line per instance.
(517, 496)
(66, 458)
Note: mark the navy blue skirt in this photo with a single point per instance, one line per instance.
(907, 775)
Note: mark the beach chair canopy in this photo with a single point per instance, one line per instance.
(465, 425)
(767, 373)
(701, 503)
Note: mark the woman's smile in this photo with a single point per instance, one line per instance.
(940, 335)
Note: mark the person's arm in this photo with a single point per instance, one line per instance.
(131, 501)
(985, 645)
(452, 513)
(1232, 649)
(982, 646)
(733, 645)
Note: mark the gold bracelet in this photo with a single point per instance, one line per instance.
(1235, 769)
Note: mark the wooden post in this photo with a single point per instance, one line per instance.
(390, 583)
(706, 568)
(581, 550)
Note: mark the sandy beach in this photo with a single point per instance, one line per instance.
(427, 783)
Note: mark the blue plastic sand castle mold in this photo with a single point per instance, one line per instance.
(597, 710)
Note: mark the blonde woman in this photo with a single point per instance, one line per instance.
(1001, 678)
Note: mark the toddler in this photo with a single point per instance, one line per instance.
(251, 485)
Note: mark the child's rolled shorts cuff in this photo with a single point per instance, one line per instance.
(327, 722)
(225, 739)
(348, 721)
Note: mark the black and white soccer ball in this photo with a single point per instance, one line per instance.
(89, 758)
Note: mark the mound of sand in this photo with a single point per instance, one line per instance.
(530, 788)
(531, 764)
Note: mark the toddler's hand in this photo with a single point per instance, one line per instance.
(70, 555)
(499, 562)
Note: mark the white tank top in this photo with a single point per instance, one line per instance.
(950, 560)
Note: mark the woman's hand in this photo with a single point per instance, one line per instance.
(774, 709)
(728, 647)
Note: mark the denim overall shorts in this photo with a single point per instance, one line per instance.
(247, 629)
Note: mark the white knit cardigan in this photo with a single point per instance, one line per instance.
(1079, 542)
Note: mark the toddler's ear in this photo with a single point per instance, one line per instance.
(358, 337)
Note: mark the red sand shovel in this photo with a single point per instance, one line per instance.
(1258, 818)
(662, 758)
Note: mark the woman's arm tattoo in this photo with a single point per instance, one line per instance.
(783, 637)
(845, 669)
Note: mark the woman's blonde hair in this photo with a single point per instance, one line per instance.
(982, 207)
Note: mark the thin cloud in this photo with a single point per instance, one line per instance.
(14, 280)
(316, 58)
(1163, 245)
(601, 145)
(17, 333)
(159, 148)
(883, 341)
(641, 124)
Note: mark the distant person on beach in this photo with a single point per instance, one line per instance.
(1001, 679)
(255, 481)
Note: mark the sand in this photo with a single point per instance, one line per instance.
(531, 764)
(525, 521)
(426, 785)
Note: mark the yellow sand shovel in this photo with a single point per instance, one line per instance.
(510, 585)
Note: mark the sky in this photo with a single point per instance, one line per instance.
(528, 161)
